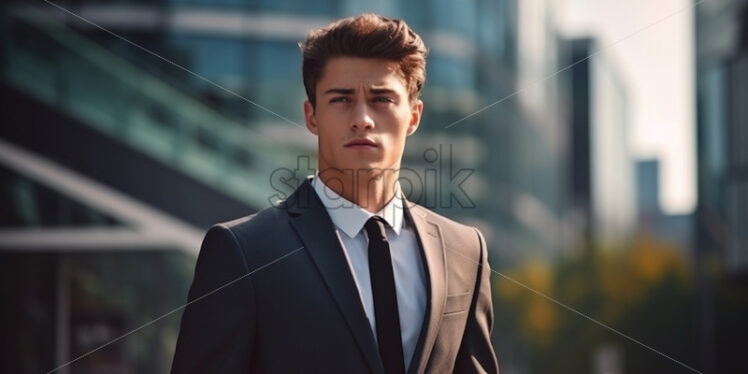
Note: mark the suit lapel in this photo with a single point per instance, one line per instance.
(317, 232)
(431, 242)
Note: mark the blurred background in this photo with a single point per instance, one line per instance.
(606, 142)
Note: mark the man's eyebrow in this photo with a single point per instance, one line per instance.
(344, 91)
(351, 91)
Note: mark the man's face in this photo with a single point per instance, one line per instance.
(362, 114)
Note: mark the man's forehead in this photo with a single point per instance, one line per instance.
(353, 72)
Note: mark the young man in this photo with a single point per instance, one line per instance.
(346, 275)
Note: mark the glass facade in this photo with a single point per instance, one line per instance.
(723, 118)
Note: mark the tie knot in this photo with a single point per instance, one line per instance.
(375, 228)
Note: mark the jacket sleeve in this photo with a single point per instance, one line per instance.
(476, 353)
(218, 325)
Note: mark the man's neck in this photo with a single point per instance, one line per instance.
(371, 190)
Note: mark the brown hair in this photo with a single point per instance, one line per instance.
(367, 35)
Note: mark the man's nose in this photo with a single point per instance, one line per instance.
(361, 115)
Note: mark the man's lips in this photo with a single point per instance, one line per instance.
(361, 142)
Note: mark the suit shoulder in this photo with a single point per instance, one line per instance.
(260, 222)
(262, 236)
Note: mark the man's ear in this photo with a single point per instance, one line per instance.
(416, 110)
(311, 122)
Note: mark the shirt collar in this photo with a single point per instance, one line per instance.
(349, 217)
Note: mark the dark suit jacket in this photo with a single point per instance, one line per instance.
(273, 293)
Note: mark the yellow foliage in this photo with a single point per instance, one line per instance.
(627, 275)
(540, 320)
(623, 276)
(539, 317)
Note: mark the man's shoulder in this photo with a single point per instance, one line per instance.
(261, 237)
(270, 218)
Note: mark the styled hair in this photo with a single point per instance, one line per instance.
(370, 36)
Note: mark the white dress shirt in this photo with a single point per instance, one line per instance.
(410, 279)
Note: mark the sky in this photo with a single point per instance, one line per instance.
(657, 65)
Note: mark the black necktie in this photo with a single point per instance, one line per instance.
(385, 298)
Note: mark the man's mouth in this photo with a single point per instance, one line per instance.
(361, 143)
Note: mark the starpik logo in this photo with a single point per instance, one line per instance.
(437, 184)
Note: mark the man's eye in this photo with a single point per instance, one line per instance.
(384, 99)
(340, 100)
